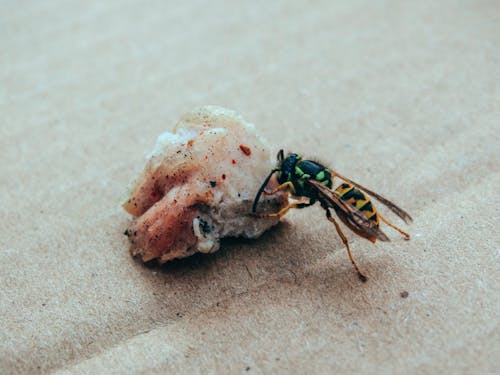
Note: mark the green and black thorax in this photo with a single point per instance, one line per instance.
(297, 171)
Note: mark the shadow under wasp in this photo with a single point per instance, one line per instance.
(307, 179)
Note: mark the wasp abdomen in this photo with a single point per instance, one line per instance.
(348, 193)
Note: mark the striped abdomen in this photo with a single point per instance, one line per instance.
(349, 194)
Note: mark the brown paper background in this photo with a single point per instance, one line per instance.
(400, 96)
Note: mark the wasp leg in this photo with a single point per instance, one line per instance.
(284, 186)
(346, 243)
(284, 210)
(405, 235)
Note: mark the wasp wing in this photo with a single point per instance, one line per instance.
(397, 210)
(358, 222)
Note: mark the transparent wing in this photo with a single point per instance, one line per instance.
(354, 217)
(397, 210)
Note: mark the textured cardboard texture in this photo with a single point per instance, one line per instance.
(400, 96)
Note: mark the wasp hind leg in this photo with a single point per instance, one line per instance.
(405, 235)
(362, 277)
(285, 209)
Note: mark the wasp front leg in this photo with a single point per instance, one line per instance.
(284, 186)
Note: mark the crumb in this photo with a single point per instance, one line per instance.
(404, 294)
(246, 150)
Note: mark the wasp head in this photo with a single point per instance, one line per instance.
(286, 166)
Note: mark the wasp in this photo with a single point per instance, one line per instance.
(309, 180)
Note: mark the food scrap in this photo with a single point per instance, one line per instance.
(198, 187)
(246, 150)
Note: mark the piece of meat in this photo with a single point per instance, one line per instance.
(198, 187)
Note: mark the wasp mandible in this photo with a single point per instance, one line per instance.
(310, 179)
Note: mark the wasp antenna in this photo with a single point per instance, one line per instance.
(280, 156)
(261, 189)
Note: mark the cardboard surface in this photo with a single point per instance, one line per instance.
(402, 97)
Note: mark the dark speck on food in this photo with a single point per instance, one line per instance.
(205, 227)
(213, 183)
(404, 294)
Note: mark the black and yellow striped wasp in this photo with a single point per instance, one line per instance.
(307, 179)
